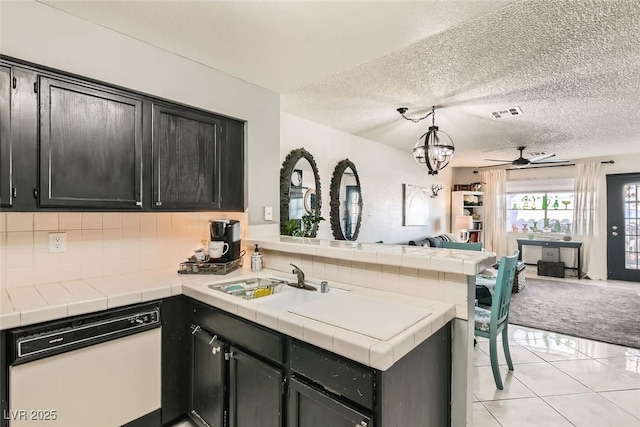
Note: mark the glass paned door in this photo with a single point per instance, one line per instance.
(631, 192)
(623, 227)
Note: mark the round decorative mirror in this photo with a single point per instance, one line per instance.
(346, 201)
(300, 200)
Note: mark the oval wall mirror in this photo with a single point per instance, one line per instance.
(346, 201)
(300, 198)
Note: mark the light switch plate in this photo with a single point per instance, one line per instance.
(268, 213)
(57, 242)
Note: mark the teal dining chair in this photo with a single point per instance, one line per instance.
(490, 323)
(460, 245)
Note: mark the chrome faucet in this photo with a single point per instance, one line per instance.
(300, 274)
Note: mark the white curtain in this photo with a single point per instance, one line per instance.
(585, 221)
(495, 221)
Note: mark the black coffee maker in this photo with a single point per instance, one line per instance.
(227, 231)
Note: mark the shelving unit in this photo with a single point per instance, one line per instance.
(473, 203)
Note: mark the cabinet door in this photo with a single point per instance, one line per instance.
(186, 158)
(90, 147)
(6, 175)
(309, 407)
(208, 379)
(256, 392)
(233, 188)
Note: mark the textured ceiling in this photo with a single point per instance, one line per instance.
(572, 66)
(279, 45)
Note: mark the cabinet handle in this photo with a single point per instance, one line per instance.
(215, 350)
(158, 203)
(362, 424)
(138, 203)
(15, 83)
(228, 356)
(14, 192)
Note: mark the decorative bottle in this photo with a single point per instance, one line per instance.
(256, 260)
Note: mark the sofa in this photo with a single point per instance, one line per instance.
(434, 242)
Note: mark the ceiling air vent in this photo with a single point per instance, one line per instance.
(509, 112)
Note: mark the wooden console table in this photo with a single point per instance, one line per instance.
(553, 244)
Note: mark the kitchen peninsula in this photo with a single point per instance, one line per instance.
(435, 282)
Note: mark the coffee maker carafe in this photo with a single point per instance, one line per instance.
(226, 231)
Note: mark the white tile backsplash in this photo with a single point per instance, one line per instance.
(98, 244)
(69, 221)
(19, 221)
(111, 220)
(45, 221)
(92, 221)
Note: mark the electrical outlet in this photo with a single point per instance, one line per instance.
(57, 242)
(268, 213)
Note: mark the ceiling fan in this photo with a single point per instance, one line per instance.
(522, 162)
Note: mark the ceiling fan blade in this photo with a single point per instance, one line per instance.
(494, 166)
(541, 158)
(552, 161)
(498, 160)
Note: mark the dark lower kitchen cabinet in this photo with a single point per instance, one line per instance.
(415, 391)
(90, 146)
(256, 391)
(237, 371)
(322, 388)
(207, 406)
(186, 158)
(309, 407)
(6, 174)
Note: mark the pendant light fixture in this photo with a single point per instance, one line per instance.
(434, 150)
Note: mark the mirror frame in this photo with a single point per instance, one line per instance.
(288, 166)
(334, 193)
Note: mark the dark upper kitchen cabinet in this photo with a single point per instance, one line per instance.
(90, 146)
(71, 143)
(6, 175)
(18, 138)
(233, 179)
(186, 158)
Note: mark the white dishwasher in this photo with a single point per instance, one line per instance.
(97, 370)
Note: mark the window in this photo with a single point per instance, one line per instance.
(540, 212)
(632, 221)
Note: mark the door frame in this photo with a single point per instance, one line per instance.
(616, 269)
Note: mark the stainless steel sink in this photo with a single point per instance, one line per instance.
(251, 288)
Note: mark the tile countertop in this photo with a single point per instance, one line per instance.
(29, 305)
(464, 262)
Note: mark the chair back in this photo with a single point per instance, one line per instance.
(502, 291)
(465, 246)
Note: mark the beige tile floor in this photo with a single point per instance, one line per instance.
(558, 380)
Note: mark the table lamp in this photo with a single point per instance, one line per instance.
(464, 223)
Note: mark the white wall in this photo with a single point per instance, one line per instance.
(382, 171)
(35, 32)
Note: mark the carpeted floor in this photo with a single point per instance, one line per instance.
(601, 313)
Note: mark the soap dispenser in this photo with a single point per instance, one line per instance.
(256, 260)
